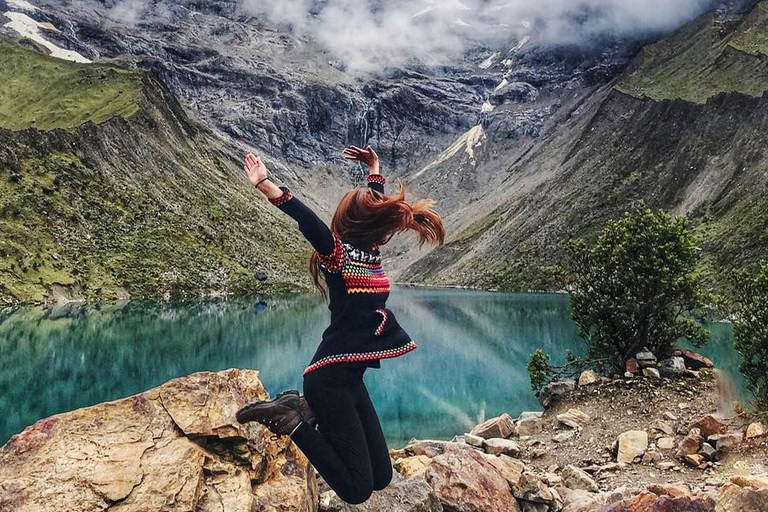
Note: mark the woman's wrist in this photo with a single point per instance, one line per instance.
(269, 189)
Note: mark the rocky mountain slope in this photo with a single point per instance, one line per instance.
(108, 189)
(684, 128)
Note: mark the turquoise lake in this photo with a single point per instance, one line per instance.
(470, 364)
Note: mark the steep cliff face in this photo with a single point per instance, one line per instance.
(683, 129)
(108, 189)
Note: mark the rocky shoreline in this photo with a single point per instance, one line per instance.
(178, 447)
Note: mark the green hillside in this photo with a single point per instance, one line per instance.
(143, 203)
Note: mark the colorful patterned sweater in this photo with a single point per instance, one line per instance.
(362, 331)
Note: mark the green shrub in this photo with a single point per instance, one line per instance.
(634, 287)
(750, 301)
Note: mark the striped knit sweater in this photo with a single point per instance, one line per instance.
(362, 330)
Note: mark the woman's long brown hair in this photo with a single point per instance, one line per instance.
(365, 218)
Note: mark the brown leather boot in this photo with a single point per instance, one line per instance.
(281, 415)
(306, 413)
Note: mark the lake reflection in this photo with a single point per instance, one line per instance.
(470, 365)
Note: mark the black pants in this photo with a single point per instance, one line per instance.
(348, 447)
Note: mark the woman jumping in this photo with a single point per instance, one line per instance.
(335, 423)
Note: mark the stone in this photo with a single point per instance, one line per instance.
(694, 459)
(631, 444)
(510, 468)
(500, 427)
(674, 490)
(466, 482)
(473, 440)
(708, 451)
(528, 427)
(563, 437)
(665, 443)
(725, 443)
(710, 425)
(412, 467)
(732, 498)
(695, 361)
(496, 446)
(666, 465)
(645, 359)
(576, 478)
(579, 500)
(757, 481)
(531, 488)
(632, 367)
(665, 427)
(529, 415)
(639, 503)
(573, 418)
(672, 367)
(175, 444)
(628, 375)
(401, 495)
(652, 373)
(690, 444)
(555, 390)
(755, 430)
(651, 457)
(588, 377)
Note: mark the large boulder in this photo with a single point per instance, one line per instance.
(695, 361)
(631, 444)
(175, 447)
(466, 482)
(402, 495)
(555, 390)
(499, 427)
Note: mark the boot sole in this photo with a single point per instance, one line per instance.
(251, 412)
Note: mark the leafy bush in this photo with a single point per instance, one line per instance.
(751, 329)
(634, 287)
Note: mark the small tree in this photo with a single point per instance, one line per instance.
(634, 287)
(751, 329)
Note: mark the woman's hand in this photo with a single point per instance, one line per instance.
(255, 169)
(258, 175)
(367, 156)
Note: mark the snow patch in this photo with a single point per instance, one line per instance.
(519, 45)
(487, 107)
(502, 85)
(29, 28)
(489, 61)
(468, 142)
(21, 4)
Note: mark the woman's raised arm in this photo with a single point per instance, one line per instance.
(310, 225)
(368, 157)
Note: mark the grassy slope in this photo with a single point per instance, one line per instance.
(45, 93)
(686, 131)
(142, 202)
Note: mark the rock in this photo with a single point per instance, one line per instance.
(666, 465)
(467, 482)
(555, 390)
(563, 437)
(755, 430)
(588, 377)
(708, 451)
(695, 361)
(528, 427)
(647, 501)
(690, 444)
(511, 469)
(431, 449)
(731, 498)
(632, 443)
(176, 444)
(573, 418)
(674, 490)
(665, 443)
(694, 459)
(640, 503)
(756, 481)
(670, 416)
(527, 415)
(651, 457)
(672, 367)
(652, 373)
(473, 440)
(628, 375)
(498, 446)
(261, 275)
(531, 488)
(576, 478)
(645, 359)
(412, 467)
(632, 367)
(709, 425)
(664, 426)
(501, 427)
(402, 495)
(725, 443)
